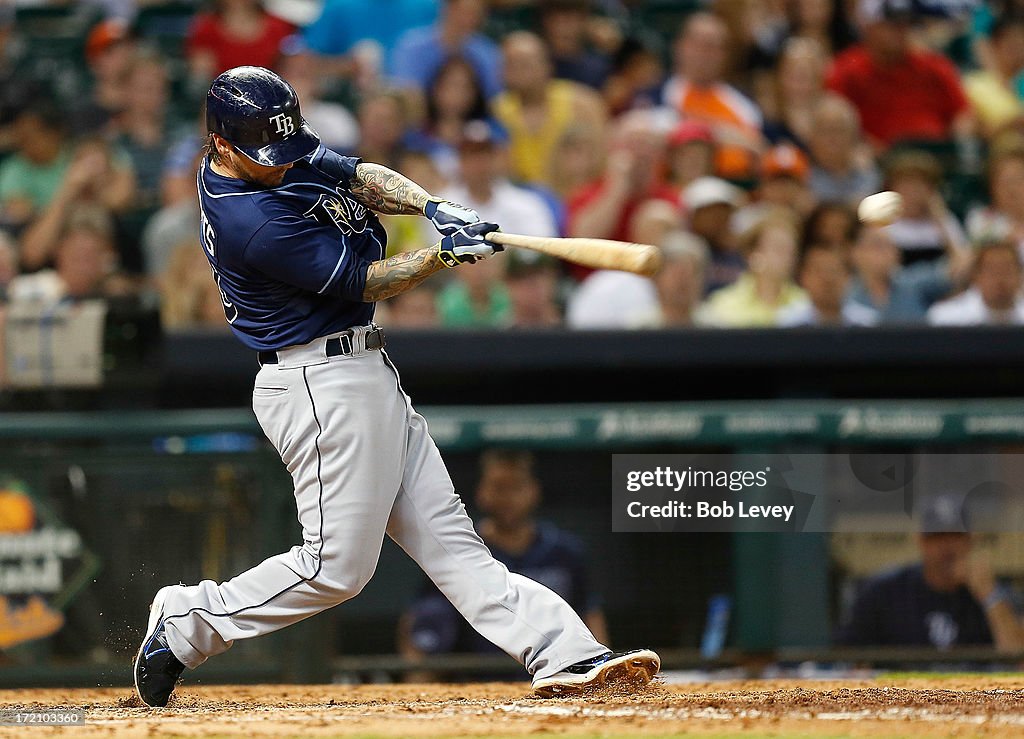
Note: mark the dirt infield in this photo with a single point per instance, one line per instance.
(962, 706)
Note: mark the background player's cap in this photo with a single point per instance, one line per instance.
(258, 113)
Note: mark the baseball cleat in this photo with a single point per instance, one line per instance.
(632, 669)
(156, 668)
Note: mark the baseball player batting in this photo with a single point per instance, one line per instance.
(291, 232)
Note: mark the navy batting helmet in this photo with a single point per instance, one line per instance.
(258, 112)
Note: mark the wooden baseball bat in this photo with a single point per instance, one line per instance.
(641, 259)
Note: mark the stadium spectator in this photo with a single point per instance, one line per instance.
(384, 120)
(576, 161)
(508, 496)
(414, 309)
(830, 223)
(900, 91)
(994, 92)
(144, 128)
(841, 168)
(710, 204)
(97, 184)
(994, 297)
(336, 125)
(175, 222)
(420, 52)
(926, 230)
(898, 294)
(537, 109)
(766, 289)
(697, 89)
(607, 208)
(84, 267)
(476, 298)
(793, 92)
(189, 299)
(691, 153)
(32, 175)
(679, 285)
(109, 50)
(636, 77)
(950, 598)
(365, 33)
(564, 25)
(824, 274)
(454, 98)
(485, 188)
(234, 33)
(532, 283)
(8, 264)
(783, 184)
(1003, 217)
(824, 21)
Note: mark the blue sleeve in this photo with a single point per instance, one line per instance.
(339, 168)
(303, 253)
(412, 61)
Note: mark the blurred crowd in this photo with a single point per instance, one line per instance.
(737, 135)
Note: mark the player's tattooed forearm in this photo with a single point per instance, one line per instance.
(385, 191)
(394, 275)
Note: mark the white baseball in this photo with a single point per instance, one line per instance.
(881, 209)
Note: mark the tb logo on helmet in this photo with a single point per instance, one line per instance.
(283, 124)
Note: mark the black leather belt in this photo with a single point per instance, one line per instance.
(337, 346)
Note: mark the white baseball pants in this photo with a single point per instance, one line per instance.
(364, 465)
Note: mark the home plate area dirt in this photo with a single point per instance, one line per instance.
(949, 706)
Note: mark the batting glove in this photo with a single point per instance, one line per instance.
(468, 245)
(448, 217)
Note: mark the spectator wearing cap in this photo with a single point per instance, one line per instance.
(691, 153)
(565, 26)
(608, 207)
(484, 186)
(994, 297)
(824, 274)
(784, 174)
(900, 91)
(950, 598)
(532, 283)
(537, 109)
(697, 89)
(927, 230)
(419, 52)
(793, 91)
(842, 168)
(898, 294)
(993, 92)
(1003, 216)
(109, 50)
(766, 289)
(233, 34)
(710, 204)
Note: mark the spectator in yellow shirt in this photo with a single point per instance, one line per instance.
(537, 110)
(766, 288)
(993, 92)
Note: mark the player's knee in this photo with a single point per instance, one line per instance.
(339, 584)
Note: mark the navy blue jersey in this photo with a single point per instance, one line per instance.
(291, 260)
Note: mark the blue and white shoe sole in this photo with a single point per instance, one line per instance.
(156, 612)
(633, 670)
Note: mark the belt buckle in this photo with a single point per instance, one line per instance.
(377, 334)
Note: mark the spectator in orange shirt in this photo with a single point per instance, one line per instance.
(697, 89)
(901, 92)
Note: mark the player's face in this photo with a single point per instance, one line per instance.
(261, 175)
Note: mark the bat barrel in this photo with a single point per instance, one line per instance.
(642, 259)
